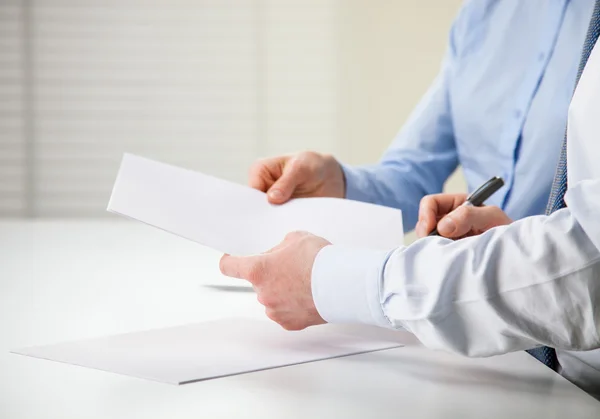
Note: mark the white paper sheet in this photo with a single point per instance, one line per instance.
(238, 220)
(202, 351)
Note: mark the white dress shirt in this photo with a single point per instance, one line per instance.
(534, 282)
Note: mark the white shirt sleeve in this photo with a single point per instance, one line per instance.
(515, 287)
(536, 281)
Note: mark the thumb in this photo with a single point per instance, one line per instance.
(471, 220)
(283, 189)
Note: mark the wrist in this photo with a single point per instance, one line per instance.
(335, 173)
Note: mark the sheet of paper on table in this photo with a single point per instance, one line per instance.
(237, 219)
(196, 352)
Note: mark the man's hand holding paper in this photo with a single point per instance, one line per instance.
(281, 278)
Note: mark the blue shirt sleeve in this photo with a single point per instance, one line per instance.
(421, 158)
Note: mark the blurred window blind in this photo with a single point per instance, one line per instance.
(207, 84)
(300, 63)
(12, 128)
(172, 80)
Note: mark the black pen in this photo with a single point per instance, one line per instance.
(477, 198)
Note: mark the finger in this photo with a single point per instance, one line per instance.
(433, 207)
(264, 173)
(294, 173)
(288, 320)
(295, 235)
(465, 220)
(242, 267)
(427, 215)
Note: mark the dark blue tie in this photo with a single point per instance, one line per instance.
(559, 186)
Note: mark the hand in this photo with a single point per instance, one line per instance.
(455, 221)
(281, 278)
(306, 174)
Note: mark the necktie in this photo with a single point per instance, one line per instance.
(559, 186)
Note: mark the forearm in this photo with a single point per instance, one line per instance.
(515, 287)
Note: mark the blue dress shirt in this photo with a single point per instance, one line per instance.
(498, 107)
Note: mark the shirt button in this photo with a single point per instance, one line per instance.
(518, 113)
(541, 56)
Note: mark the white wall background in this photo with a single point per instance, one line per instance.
(207, 84)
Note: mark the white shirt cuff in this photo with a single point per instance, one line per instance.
(346, 283)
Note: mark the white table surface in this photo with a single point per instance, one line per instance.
(63, 280)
